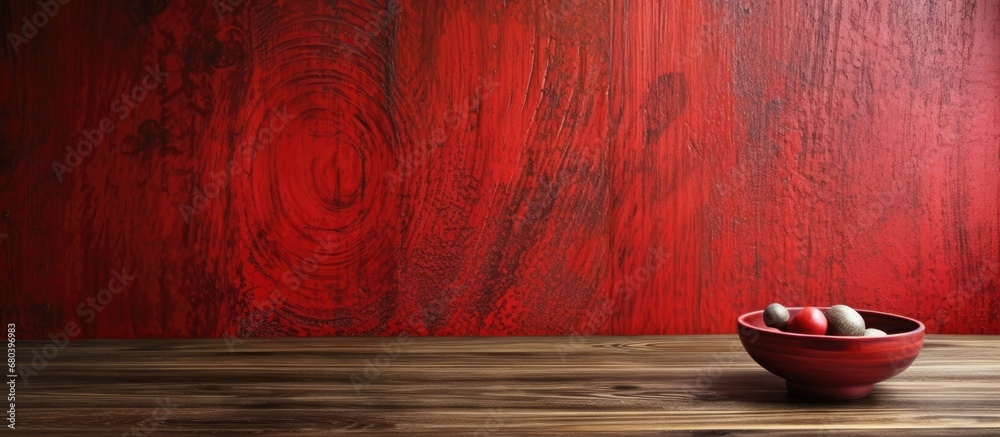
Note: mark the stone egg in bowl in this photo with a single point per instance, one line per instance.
(827, 367)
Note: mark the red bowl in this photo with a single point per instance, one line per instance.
(831, 367)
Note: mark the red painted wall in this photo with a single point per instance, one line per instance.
(495, 168)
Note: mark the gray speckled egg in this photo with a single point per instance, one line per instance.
(872, 332)
(776, 316)
(843, 320)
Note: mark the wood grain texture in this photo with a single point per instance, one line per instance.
(499, 167)
(489, 386)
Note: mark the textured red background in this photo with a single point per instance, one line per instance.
(499, 167)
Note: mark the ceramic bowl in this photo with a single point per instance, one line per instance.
(828, 367)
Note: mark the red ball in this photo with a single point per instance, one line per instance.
(809, 320)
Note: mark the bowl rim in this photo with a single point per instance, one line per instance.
(920, 327)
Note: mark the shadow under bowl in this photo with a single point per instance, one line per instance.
(832, 367)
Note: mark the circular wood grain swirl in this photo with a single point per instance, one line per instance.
(317, 198)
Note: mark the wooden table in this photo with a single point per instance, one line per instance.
(485, 386)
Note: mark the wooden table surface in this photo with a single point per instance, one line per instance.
(484, 386)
